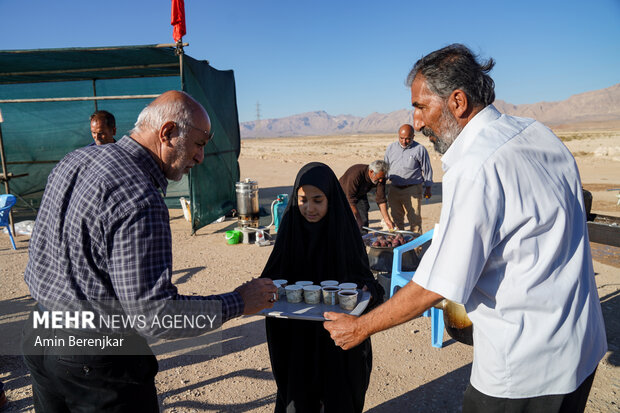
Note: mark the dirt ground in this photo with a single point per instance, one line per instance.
(408, 373)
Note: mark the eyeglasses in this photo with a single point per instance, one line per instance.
(209, 135)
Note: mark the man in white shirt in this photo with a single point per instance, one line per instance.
(512, 246)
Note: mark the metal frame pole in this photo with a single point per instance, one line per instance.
(180, 52)
(95, 94)
(79, 99)
(6, 173)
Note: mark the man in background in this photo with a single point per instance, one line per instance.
(360, 179)
(512, 246)
(102, 234)
(3, 400)
(410, 170)
(102, 127)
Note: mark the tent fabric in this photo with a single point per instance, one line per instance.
(212, 183)
(71, 64)
(37, 135)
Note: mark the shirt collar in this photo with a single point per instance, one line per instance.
(137, 151)
(406, 147)
(468, 135)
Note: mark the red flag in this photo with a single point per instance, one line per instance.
(178, 19)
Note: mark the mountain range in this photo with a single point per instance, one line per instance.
(599, 108)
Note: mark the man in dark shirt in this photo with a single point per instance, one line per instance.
(357, 181)
(102, 235)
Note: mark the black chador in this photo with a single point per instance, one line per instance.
(309, 369)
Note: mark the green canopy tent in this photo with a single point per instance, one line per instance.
(47, 96)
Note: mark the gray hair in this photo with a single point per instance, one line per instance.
(456, 67)
(379, 166)
(157, 113)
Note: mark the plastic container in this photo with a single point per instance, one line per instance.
(232, 237)
(278, 210)
(187, 212)
(260, 237)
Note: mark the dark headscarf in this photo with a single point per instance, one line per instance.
(307, 366)
(331, 249)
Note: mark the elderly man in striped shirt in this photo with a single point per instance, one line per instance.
(102, 235)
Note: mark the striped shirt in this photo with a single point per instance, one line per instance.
(103, 232)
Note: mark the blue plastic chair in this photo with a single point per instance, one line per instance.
(401, 278)
(6, 203)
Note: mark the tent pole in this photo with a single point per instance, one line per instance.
(78, 99)
(5, 174)
(4, 171)
(181, 71)
(95, 94)
(88, 70)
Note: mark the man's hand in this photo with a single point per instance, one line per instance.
(257, 294)
(386, 217)
(344, 330)
(360, 224)
(427, 192)
(409, 302)
(357, 216)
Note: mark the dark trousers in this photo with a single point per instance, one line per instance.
(91, 383)
(575, 402)
(362, 208)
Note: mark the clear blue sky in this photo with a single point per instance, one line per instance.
(345, 57)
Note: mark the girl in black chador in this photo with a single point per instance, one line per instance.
(318, 240)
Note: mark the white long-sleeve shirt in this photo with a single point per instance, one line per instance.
(512, 245)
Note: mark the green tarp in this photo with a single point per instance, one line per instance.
(37, 134)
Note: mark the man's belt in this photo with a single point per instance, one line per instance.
(404, 186)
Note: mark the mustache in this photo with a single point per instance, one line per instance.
(439, 145)
(428, 132)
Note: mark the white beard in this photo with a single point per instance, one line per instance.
(450, 128)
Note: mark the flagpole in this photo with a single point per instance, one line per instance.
(177, 20)
(179, 51)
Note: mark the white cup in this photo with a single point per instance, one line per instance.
(347, 299)
(312, 294)
(348, 286)
(281, 285)
(330, 294)
(303, 283)
(293, 293)
(328, 282)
